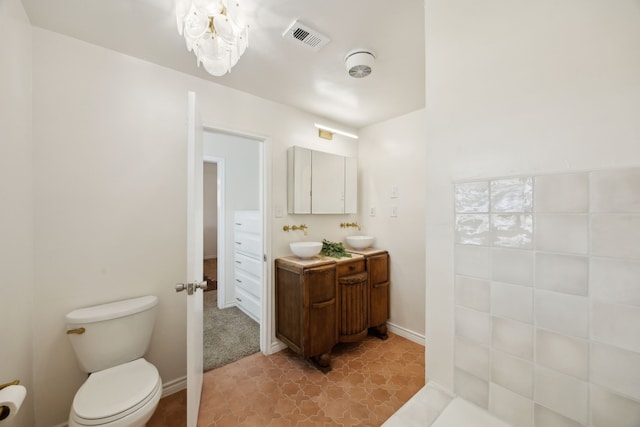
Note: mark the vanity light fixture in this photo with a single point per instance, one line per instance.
(327, 132)
(215, 30)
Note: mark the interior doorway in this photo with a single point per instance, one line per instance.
(234, 184)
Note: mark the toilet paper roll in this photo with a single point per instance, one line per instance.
(11, 399)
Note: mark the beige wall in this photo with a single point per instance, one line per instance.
(392, 154)
(519, 88)
(16, 199)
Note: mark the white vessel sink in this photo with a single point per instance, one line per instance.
(306, 250)
(360, 242)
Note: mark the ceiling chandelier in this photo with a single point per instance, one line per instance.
(215, 31)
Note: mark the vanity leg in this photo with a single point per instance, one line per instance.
(323, 362)
(380, 331)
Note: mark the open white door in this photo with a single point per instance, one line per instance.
(194, 260)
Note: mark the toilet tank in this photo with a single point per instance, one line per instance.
(114, 333)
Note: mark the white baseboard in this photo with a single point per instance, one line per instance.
(406, 333)
(277, 346)
(174, 386)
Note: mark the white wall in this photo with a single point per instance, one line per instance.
(210, 210)
(16, 196)
(519, 88)
(391, 154)
(110, 154)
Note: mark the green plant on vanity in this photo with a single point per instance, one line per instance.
(333, 249)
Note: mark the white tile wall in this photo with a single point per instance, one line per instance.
(512, 373)
(472, 358)
(615, 235)
(615, 280)
(562, 233)
(567, 314)
(615, 324)
(548, 297)
(544, 417)
(562, 273)
(515, 338)
(510, 406)
(472, 229)
(616, 369)
(615, 191)
(473, 293)
(512, 195)
(612, 410)
(473, 325)
(472, 197)
(562, 353)
(471, 388)
(564, 394)
(472, 261)
(562, 193)
(512, 266)
(512, 230)
(512, 301)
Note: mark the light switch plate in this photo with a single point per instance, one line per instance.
(394, 192)
(394, 211)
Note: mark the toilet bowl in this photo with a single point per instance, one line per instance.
(123, 396)
(123, 389)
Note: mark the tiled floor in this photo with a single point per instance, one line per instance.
(368, 382)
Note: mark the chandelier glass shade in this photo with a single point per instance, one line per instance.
(215, 31)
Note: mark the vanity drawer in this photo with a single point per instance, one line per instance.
(248, 282)
(250, 265)
(346, 268)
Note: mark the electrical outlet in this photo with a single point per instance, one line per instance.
(372, 211)
(394, 211)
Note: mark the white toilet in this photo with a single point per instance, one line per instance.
(123, 389)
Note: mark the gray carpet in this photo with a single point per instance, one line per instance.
(229, 334)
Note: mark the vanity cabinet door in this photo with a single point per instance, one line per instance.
(298, 180)
(321, 304)
(378, 268)
(327, 183)
(306, 309)
(353, 319)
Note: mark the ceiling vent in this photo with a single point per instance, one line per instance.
(359, 63)
(306, 36)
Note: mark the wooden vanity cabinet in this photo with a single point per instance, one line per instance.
(306, 308)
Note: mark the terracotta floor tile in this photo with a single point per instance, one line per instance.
(368, 382)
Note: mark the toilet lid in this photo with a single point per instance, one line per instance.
(117, 391)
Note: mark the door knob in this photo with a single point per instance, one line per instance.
(191, 287)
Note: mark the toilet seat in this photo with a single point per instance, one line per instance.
(116, 393)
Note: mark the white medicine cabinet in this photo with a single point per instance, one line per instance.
(321, 183)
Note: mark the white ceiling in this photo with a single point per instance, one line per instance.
(273, 67)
